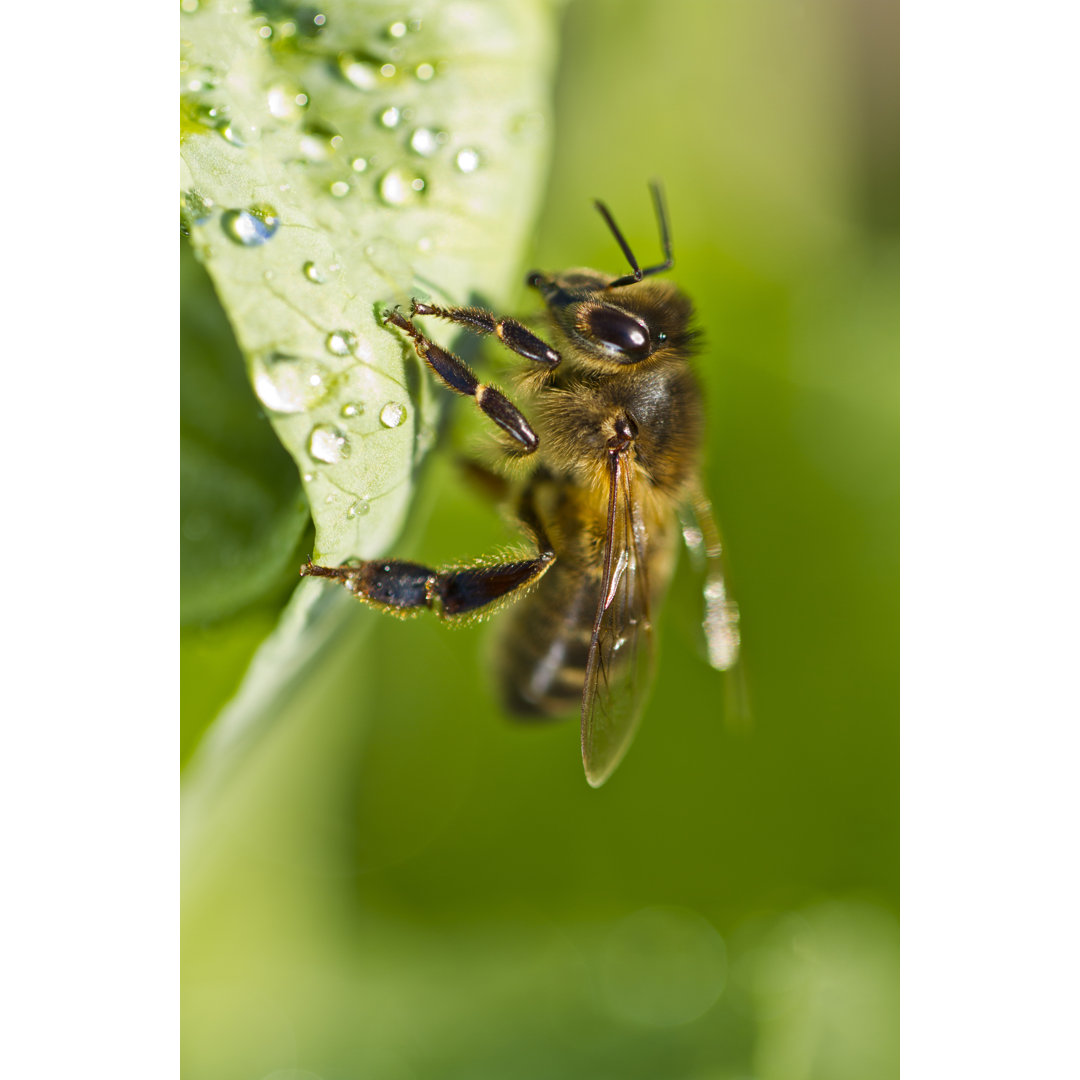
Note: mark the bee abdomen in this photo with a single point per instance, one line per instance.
(545, 645)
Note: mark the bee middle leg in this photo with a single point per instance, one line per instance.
(456, 375)
(402, 588)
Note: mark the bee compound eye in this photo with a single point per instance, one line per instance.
(618, 332)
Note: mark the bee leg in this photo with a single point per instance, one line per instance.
(402, 588)
(516, 337)
(459, 377)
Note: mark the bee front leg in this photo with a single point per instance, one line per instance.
(456, 375)
(403, 588)
(516, 337)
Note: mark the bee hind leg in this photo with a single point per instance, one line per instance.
(403, 588)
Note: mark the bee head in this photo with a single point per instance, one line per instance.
(623, 327)
(619, 320)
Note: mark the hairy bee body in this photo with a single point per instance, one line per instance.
(542, 648)
(612, 436)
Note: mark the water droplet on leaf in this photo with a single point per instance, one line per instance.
(281, 101)
(327, 444)
(250, 227)
(288, 384)
(467, 160)
(341, 342)
(314, 147)
(397, 187)
(424, 142)
(195, 209)
(393, 414)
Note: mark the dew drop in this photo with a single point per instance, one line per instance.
(319, 20)
(424, 142)
(359, 164)
(189, 7)
(397, 187)
(393, 414)
(327, 444)
(266, 32)
(388, 71)
(228, 132)
(397, 30)
(351, 410)
(288, 384)
(337, 142)
(467, 160)
(424, 244)
(314, 147)
(358, 508)
(391, 117)
(359, 73)
(195, 208)
(425, 71)
(313, 273)
(341, 342)
(281, 101)
(250, 227)
(307, 477)
(339, 189)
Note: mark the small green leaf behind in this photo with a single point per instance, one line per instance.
(242, 510)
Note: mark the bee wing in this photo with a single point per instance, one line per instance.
(621, 654)
(721, 621)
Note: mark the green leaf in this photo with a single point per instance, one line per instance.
(338, 159)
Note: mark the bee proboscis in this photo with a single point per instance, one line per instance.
(610, 460)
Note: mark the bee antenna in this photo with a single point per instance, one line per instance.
(665, 239)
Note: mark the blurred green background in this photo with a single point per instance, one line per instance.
(400, 883)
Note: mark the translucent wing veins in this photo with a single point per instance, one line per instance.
(620, 663)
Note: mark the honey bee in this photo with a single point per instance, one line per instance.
(611, 464)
